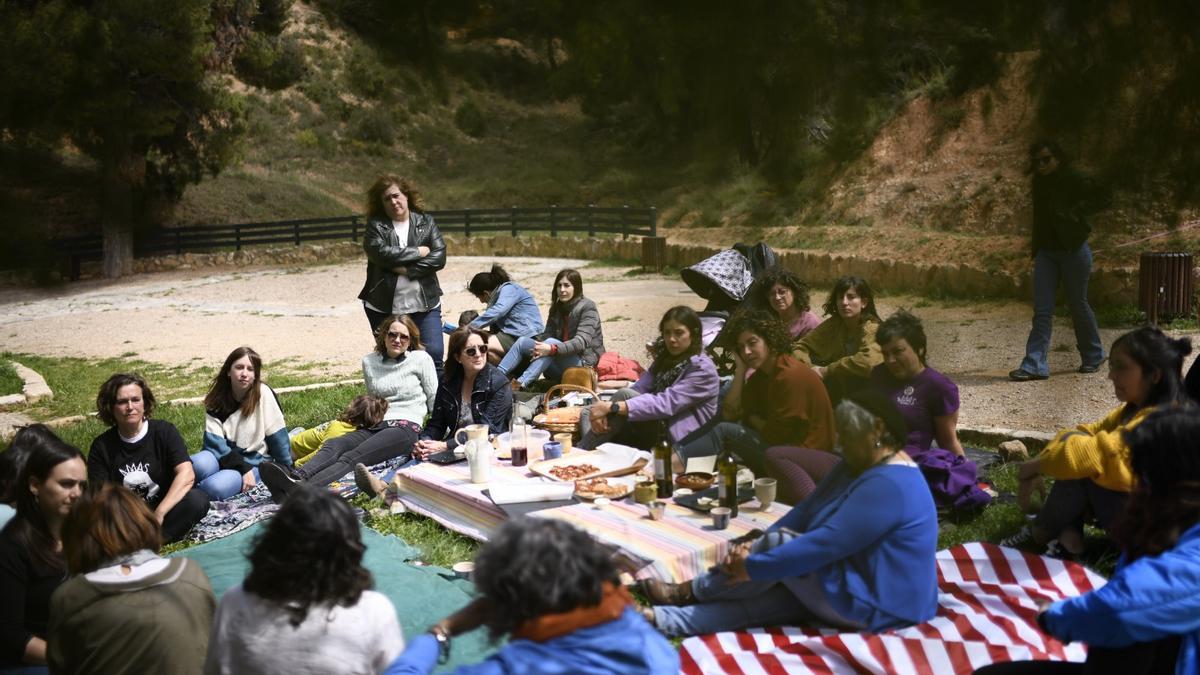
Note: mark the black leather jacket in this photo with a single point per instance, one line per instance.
(491, 404)
(385, 251)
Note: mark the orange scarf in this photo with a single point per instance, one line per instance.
(613, 602)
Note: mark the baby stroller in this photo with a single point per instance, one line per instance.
(726, 280)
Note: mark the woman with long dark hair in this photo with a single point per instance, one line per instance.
(405, 251)
(146, 455)
(306, 605)
(573, 335)
(842, 350)
(31, 559)
(1090, 463)
(1146, 619)
(12, 461)
(243, 425)
(401, 372)
(555, 594)
(511, 311)
(680, 388)
(125, 608)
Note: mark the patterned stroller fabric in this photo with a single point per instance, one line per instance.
(722, 279)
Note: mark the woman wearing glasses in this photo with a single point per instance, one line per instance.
(400, 371)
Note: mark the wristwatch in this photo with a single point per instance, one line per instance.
(615, 408)
(442, 636)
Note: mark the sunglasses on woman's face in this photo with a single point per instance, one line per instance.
(403, 337)
(474, 351)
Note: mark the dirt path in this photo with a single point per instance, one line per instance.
(310, 315)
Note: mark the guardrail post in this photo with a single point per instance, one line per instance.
(237, 237)
(467, 224)
(591, 227)
(354, 228)
(554, 220)
(653, 221)
(512, 217)
(296, 229)
(178, 243)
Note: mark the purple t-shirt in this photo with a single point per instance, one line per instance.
(804, 324)
(928, 395)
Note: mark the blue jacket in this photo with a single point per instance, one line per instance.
(1146, 600)
(871, 541)
(627, 645)
(512, 310)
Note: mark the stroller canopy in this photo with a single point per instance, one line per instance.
(722, 279)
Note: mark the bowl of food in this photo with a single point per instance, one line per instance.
(694, 481)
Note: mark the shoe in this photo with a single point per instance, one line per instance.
(1022, 375)
(1087, 369)
(662, 593)
(280, 480)
(367, 483)
(1020, 539)
(1056, 550)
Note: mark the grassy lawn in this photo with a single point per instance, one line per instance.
(10, 382)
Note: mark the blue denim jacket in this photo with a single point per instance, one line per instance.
(512, 310)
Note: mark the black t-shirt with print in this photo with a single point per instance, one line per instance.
(147, 467)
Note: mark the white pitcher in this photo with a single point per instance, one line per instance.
(479, 451)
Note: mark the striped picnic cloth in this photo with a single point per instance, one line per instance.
(987, 609)
(445, 493)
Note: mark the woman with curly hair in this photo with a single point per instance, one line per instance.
(1146, 619)
(786, 295)
(404, 251)
(306, 605)
(554, 592)
(781, 403)
(147, 456)
(842, 350)
(679, 388)
(126, 609)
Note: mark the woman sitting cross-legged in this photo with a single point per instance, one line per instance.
(472, 392)
(511, 311)
(364, 412)
(31, 561)
(1090, 463)
(553, 591)
(1146, 619)
(928, 400)
(125, 609)
(400, 371)
(781, 403)
(306, 605)
(842, 350)
(148, 456)
(573, 335)
(680, 388)
(243, 424)
(857, 555)
(786, 295)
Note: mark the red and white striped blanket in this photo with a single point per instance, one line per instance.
(987, 607)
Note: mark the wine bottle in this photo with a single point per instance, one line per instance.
(727, 488)
(662, 466)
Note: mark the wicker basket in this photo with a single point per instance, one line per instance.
(557, 390)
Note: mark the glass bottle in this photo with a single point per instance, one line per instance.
(662, 466)
(727, 488)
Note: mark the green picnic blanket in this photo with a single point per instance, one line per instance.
(421, 595)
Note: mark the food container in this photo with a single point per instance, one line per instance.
(694, 481)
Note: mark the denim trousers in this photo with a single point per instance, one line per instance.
(220, 484)
(551, 366)
(429, 323)
(1072, 269)
(743, 441)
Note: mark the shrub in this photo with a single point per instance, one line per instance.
(270, 62)
(469, 119)
(373, 126)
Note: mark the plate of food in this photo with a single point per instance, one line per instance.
(577, 465)
(609, 488)
(694, 481)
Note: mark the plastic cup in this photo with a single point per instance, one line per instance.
(552, 450)
(566, 439)
(764, 490)
(657, 509)
(720, 517)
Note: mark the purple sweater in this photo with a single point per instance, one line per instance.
(686, 405)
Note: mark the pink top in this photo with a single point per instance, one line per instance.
(803, 325)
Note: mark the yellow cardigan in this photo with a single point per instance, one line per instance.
(846, 352)
(307, 442)
(1096, 451)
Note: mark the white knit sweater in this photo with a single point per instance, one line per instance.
(409, 385)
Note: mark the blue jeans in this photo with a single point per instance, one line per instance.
(723, 606)
(429, 323)
(1072, 268)
(742, 441)
(552, 366)
(220, 484)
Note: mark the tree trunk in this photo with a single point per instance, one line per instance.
(124, 178)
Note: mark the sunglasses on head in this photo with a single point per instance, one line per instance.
(474, 351)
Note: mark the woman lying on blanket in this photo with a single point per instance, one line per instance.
(842, 350)
(126, 609)
(680, 388)
(928, 401)
(305, 606)
(400, 371)
(1146, 619)
(573, 335)
(364, 412)
(856, 555)
(1090, 463)
(243, 424)
(553, 591)
(781, 403)
(472, 391)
